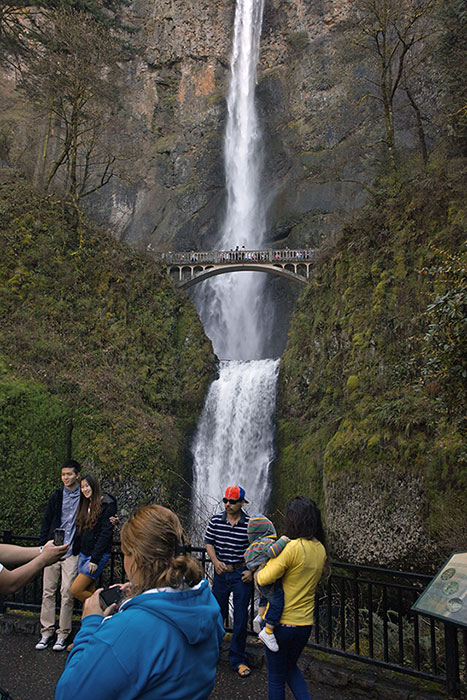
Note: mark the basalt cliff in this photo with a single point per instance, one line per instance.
(322, 129)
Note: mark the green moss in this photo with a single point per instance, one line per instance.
(102, 358)
(353, 375)
(352, 382)
(33, 436)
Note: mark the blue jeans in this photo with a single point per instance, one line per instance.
(222, 587)
(83, 562)
(274, 595)
(282, 664)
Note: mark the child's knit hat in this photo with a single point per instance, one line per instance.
(260, 526)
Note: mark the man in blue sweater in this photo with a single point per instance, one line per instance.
(60, 513)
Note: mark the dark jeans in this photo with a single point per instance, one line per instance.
(222, 587)
(282, 664)
(274, 595)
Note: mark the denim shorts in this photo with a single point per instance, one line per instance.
(83, 562)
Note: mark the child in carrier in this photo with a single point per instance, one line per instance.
(264, 545)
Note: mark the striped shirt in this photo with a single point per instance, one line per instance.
(262, 549)
(229, 541)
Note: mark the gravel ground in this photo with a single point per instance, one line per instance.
(28, 674)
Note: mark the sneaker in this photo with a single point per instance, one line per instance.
(258, 623)
(60, 644)
(44, 641)
(269, 639)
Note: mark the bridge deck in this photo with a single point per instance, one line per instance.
(187, 269)
(226, 257)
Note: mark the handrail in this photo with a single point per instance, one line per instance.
(219, 257)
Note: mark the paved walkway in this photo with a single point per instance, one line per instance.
(28, 674)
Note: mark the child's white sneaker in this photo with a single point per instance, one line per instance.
(269, 639)
(257, 626)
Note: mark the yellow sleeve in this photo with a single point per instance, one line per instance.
(275, 568)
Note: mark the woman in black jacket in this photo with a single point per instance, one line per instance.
(95, 532)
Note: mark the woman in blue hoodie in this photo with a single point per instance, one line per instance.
(164, 641)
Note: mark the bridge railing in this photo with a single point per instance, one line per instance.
(219, 257)
(361, 612)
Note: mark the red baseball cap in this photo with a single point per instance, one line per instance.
(235, 492)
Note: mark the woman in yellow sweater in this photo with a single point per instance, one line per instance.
(300, 566)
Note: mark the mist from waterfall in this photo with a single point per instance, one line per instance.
(234, 439)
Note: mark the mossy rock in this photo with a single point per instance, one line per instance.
(353, 403)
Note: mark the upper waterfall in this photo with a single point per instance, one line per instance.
(244, 221)
(232, 308)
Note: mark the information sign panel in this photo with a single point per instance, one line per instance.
(445, 596)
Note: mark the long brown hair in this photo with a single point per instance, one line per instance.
(154, 536)
(89, 509)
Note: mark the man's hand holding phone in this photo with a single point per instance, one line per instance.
(51, 554)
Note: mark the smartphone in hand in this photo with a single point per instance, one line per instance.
(110, 595)
(59, 536)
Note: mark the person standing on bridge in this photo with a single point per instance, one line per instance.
(226, 540)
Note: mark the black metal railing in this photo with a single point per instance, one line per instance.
(364, 613)
(361, 612)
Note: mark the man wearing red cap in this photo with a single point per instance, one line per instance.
(226, 541)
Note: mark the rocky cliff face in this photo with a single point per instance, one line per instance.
(176, 94)
(308, 97)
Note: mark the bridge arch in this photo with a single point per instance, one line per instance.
(186, 276)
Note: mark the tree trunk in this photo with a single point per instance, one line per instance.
(420, 129)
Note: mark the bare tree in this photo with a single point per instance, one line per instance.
(16, 18)
(20, 22)
(73, 83)
(389, 32)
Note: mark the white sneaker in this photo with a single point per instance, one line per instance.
(257, 626)
(44, 641)
(269, 639)
(60, 644)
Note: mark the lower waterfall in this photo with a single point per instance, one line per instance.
(234, 441)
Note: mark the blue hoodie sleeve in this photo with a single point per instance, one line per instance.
(93, 669)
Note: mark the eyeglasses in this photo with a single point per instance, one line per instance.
(232, 501)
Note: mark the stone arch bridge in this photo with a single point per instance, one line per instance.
(188, 269)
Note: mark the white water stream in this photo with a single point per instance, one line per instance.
(234, 440)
